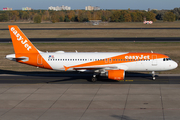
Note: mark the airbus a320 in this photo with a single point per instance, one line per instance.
(110, 64)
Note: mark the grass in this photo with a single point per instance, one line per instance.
(94, 33)
(89, 25)
(169, 48)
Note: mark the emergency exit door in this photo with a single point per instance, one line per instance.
(154, 60)
(39, 60)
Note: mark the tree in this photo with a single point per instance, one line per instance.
(160, 14)
(61, 16)
(140, 16)
(103, 18)
(37, 19)
(14, 15)
(107, 15)
(25, 15)
(66, 19)
(82, 17)
(31, 15)
(96, 15)
(150, 16)
(61, 19)
(4, 17)
(119, 16)
(134, 16)
(89, 15)
(54, 18)
(70, 14)
(127, 17)
(169, 16)
(46, 15)
(116, 16)
(176, 11)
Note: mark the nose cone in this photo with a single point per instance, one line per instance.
(174, 65)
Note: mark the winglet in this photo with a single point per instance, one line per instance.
(66, 68)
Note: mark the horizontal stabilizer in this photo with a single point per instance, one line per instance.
(13, 58)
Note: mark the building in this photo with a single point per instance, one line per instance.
(59, 8)
(7, 8)
(155, 9)
(92, 8)
(89, 8)
(26, 8)
(96, 8)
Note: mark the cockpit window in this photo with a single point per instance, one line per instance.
(166, 59)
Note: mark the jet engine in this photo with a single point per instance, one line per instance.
(116, 74)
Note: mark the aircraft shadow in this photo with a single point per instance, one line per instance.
(66, 77)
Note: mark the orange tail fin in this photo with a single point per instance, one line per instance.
(20, 42)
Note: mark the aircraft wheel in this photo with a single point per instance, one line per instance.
(94, 79)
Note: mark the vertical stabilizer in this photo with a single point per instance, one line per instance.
(20, 42)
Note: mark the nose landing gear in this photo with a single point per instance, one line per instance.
(153, 75)
(94, 78)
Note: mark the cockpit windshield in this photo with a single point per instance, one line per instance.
(166, 59)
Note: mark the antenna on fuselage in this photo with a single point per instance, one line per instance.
(151, 51)
(76, 51)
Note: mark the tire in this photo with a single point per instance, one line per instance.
(93, 79)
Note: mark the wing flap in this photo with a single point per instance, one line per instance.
(94, 67)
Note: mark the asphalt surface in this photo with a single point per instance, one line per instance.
(158, 39)
(90, 28)
(69, 96)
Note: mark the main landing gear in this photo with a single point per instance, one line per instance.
(153, 75)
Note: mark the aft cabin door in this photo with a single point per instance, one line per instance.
(39, 60)
(154, 60)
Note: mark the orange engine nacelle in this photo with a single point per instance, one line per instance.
(116, 74)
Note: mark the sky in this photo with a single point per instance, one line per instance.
(103, 4)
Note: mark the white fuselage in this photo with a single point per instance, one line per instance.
(58, 60)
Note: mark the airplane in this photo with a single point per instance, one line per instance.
(110, 64)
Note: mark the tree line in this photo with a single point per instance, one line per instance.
(84, 16)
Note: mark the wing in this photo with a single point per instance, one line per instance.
(93, 68)
(99, 67)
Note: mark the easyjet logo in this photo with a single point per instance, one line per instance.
(137, 57)
(21, 39)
